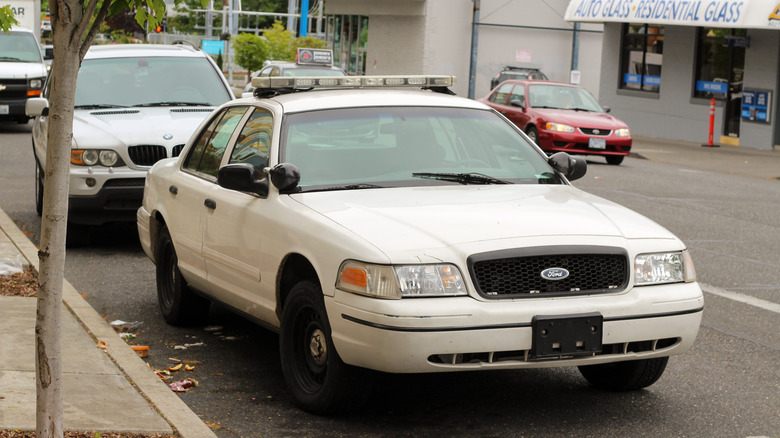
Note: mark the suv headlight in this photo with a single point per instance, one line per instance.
(400, 281)
(660, 268)
(559, 127)
(93, 157)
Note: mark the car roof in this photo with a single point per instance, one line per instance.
(363, 97)
(137, 50)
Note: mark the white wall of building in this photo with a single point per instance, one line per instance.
(434, 37)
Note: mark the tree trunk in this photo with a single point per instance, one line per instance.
(48, 325)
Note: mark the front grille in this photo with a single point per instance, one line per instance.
(592, 131)
(13, 89)
(146, 155)
(520, 275)
(177, 150)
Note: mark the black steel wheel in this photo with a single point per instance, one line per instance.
(178, 304)
(625, 376)
(320, 382)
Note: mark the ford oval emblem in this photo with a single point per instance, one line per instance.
(555, 274)
(167, 136)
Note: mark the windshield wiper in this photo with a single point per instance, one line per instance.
(98, 106)
(174, 103)
(9, 58)
(350, 187)
(462, 178)
(580, 109)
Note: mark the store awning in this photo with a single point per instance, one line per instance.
(740, 14)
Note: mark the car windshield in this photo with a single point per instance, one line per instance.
(149, 81)
(562, 97)
(19, 47)
(409, 146)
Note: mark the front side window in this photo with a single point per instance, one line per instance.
(254, 141)
(206, 155)
(642, 50)
(402, 146)
(501, 94)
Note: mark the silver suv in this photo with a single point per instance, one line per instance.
(135, 104)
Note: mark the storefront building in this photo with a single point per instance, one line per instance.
(462, 38)
(664, 61)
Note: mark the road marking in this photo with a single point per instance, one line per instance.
(747, 299)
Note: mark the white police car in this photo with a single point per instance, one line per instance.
(409, 231)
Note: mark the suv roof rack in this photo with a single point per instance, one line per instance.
(273, 86)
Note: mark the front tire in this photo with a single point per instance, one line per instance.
(320, 382)
(625, 376)
(615, 160)
(38, 188)
(533, 134)
(179, 305)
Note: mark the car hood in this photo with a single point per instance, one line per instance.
(21, 70)
(403, 219)
(134, 126)
(581, 118)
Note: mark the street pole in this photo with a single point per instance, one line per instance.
(474, 40)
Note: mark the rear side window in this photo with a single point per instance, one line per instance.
(206, 155)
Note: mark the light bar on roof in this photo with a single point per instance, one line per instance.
(419, 81)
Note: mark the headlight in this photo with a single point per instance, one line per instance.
(660, 268)
(401, 281)
(92, 157)
(623, 132)
(36, 83)
(559, 127)
(108, 158)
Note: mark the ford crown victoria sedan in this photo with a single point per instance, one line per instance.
(408, 231)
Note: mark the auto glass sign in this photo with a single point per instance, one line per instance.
(758, 14)
(315, 57)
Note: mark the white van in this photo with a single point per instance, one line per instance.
(22, 73)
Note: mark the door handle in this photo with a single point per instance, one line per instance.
(174, 190)
(210, 204)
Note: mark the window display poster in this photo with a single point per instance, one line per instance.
(756, 105)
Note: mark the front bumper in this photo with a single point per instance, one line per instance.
(579, 144)
(99, 195)
(456, 334)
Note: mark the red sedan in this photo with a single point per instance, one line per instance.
(562, 117)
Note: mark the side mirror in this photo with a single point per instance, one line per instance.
(242, 177)
(37, 106)
(285, 177)
(572, 167)
(607, 109)
(518, 103)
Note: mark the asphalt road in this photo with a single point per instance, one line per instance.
(728, 385)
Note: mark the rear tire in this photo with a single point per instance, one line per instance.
(179, 305)
(320, 382)
(625, 376)
(614, 159)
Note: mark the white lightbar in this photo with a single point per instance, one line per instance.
(420, 81)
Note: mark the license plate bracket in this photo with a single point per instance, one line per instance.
(562, 336)
(597, 143)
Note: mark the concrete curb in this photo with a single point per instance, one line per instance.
(159, 395)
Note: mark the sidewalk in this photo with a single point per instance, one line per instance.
(112, 391)
(116, 391)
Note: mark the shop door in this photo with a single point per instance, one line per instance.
(734, 95)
